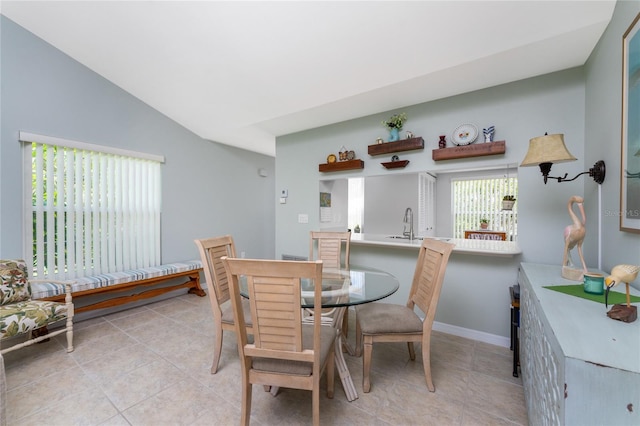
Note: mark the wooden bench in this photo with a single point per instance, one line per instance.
(126, 286)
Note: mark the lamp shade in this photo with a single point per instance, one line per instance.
(547, 149)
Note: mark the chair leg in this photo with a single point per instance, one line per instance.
(315, 401)
(69, 335)
(426, 362)
(366, 364)
(331, 375)
(358, 350)
(217, 350)
(345, 323)
(412, 351)
(245, 416)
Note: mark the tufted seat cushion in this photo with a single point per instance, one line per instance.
(387, 318)
(23, 317)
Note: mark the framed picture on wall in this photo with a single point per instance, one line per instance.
(630, 155)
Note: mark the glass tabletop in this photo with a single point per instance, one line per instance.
(346, 287)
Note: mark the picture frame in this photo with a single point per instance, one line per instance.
(630, 149)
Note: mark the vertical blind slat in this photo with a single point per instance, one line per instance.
(49, 208)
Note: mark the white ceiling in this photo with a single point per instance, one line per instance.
(241, 73)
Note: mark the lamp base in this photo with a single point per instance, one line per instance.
(623, 313)
(598, 171)
(572, 273)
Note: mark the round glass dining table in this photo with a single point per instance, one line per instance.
(346, 287)
(342, 288)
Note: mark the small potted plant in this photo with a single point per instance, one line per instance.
(394, 124)
(508, 201)
(484, 223)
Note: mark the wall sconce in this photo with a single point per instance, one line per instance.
(548, 149)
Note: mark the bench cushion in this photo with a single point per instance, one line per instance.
(22, 317)
(42, 290)
(14, 282)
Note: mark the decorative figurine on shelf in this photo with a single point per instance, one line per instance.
(622, 274)
(394, 124)
(573, 237)
(442, 143)
(379, 140)
(342, 154)
(488, 133)
(409, 135)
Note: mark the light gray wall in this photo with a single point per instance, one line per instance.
(208, 189)
(475, 296)
(552, 103)
(603, 73)
(583, 103)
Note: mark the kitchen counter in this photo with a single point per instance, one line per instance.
(478, 247)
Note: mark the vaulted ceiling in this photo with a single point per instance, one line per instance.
(242, 73)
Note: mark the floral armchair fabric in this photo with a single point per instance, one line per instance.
(19, 314)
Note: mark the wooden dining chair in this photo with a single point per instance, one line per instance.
(211, 251)
(383, 322)
(327, 246)
(285, 352)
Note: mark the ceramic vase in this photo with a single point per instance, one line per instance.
(442, 143)
(394, 134)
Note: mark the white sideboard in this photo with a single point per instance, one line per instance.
(579, 367)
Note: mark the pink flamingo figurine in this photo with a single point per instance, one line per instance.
(574, 236)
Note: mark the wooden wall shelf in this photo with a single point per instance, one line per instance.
(473, 150)
(395, 164)
(339, 166)
(398, 146)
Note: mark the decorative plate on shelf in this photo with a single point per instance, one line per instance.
(465, 134)
(331, 158)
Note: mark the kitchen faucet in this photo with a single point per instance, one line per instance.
(408, 218)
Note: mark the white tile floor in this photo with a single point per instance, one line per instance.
(151, 366)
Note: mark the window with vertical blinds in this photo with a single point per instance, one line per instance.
(89, 209)
(475, 199)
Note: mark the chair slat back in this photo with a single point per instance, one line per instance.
(429, 276)
(211, 251)
(274, 288)
(329, 247)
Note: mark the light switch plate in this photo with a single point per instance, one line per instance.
(283, 200)
(303, 218)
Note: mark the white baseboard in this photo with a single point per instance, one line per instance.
(480, 336)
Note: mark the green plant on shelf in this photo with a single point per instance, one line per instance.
(509, 198)
(396, 121)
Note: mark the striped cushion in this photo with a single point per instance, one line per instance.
(42, 290)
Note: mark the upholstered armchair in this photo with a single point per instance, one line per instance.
(20, 314)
